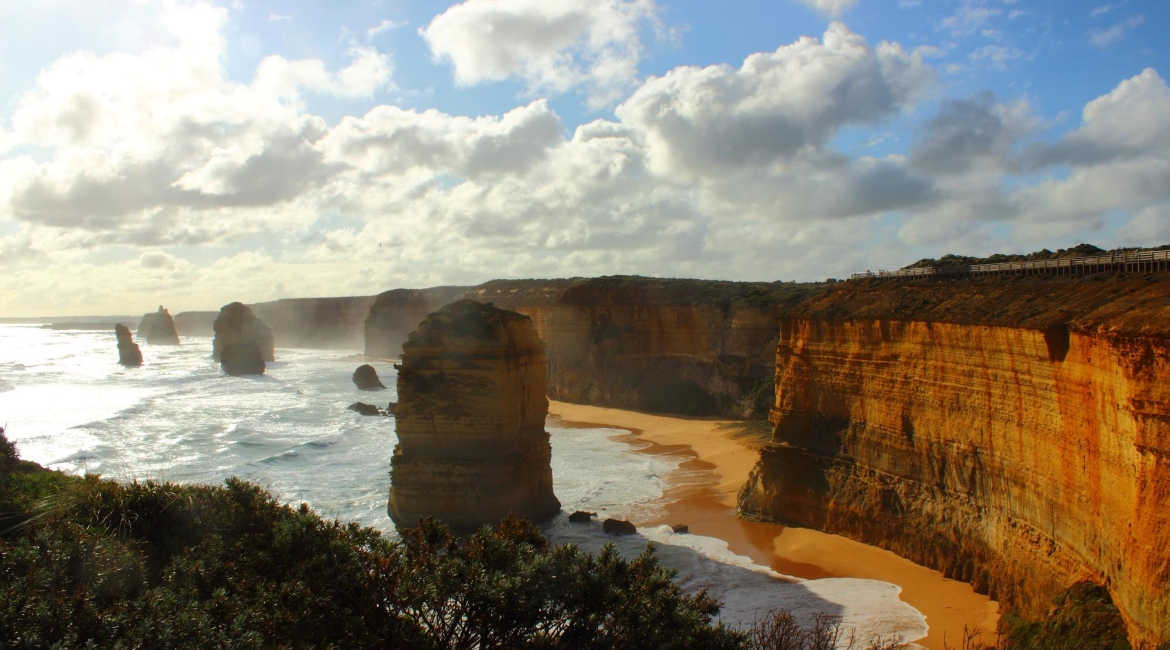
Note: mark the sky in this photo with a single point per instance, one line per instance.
(196, 153)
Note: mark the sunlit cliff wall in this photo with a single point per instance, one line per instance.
(1013, 433)
(685, 346)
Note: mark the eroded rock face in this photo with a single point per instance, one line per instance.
(679, 346)
(366, 378)
(128, 352)
(162, 329)
(241, 359)
(241, 339)
(470, 421)
(1019, 459)
(396, 313)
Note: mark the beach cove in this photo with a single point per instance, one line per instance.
(716, 460)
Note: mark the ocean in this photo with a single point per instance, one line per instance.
(69, 406)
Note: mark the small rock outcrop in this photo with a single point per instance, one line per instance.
(392, 408)
(582, 517)
(680, 529)
(618, 527)
(365, 409)
(471, 409)
(366, 378)
(162, 329)
(242, 342)
(128, 352)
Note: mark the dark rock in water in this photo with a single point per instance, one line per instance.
(162, 329)
(365, 409)
(238, 359)
(392, 408)
(618, 527)
(237, 325)
(366, 378)
(128, 352)
(582, 517)
(680, 529)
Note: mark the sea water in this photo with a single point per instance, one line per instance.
(69, 406)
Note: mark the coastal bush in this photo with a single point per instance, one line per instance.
(104, 564)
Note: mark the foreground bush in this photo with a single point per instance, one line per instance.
(150, 565)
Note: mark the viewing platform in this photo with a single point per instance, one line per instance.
(1138, 261)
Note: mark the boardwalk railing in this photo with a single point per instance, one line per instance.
(1127, 260)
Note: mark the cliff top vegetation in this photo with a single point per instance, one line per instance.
(640, 291)
(1110, 302)
(1080, 250)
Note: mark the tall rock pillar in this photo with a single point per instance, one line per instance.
(471, 408)
(242, 342)
(162, 329)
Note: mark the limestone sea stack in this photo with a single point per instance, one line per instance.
(470, 420)
(162, 329)
(128, 352)
(242, 342)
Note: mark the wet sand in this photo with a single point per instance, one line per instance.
(717, 457)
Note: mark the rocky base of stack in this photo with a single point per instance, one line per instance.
(466, 493)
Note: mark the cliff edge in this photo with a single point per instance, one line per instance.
(1012, 432)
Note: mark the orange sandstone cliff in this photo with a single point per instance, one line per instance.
(1012, 432)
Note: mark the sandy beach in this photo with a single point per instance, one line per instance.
(717, 456)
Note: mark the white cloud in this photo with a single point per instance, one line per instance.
(279, 18)
(1150, 227)
(383, 27)
(833, 8)
(1106, 37)
(777, 104)
(995, 56)
(156, 159)
(1104, 9)
(970, 18)
(553, 47)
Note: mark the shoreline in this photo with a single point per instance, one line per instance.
(701, 493)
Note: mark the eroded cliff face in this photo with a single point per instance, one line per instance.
(681, 346)
(470, 421)
(316, 323)
(1021, 459)
(394, 314)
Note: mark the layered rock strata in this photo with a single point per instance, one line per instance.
(241, 340)
(682, 346)
(470, 421)
(128, 352)
(1014, 434)
(394, 314)
(162, 329)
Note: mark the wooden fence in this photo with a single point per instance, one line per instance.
(1136, 261)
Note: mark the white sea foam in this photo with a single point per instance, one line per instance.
(178, 418)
